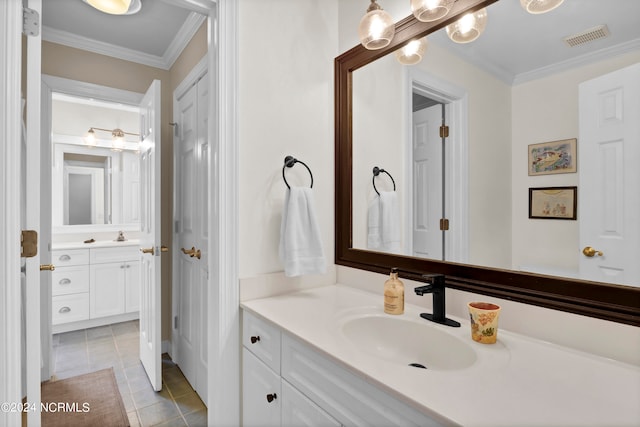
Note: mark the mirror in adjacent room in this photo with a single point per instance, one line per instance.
(476, 178)
(95, 165)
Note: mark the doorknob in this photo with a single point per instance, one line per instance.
(147, 250)
(589, 251)
(164, 249)
(47, 267)
(193, 252)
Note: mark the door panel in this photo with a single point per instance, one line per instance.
(150, 238)
(609, 154)
(427, 182)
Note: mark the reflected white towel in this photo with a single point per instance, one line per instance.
(300, 241)
(384, 223)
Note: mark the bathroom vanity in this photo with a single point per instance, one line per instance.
(330, 356)
(94, 284)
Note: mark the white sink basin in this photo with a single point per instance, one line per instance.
(407, 342)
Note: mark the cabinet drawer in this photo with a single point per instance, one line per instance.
(262, 339)
(64, 257)
(119, 254)
(70, 308)
(70, 280)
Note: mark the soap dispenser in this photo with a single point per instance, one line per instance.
(394, 294)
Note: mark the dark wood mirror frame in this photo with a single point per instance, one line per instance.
(594, 299)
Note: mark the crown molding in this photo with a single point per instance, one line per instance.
(189, 28)
(578, 61)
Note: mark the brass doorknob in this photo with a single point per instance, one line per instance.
(164, 249)
(147, 251)
(589, 251)
(193, 252)
(47, 267)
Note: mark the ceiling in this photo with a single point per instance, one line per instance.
(155, 36)
(517, 46)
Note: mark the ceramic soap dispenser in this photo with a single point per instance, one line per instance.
(394, 294)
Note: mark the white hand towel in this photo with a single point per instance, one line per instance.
(300, 241)
(390, 221)
(374, 240)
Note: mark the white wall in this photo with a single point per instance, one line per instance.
(285, 108)
(547, 110)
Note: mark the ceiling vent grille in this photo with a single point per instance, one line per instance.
(599, 32)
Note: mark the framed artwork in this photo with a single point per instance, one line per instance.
(553, 202)
(553, 157)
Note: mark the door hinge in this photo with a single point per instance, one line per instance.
(444, 224)
(28, 243)
(175, 322)
(444, 131)
(30, 22)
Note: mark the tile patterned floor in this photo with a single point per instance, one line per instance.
(116, 346)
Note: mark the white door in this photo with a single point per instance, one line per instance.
(150, 246)
(427, 182)
(609, 155)
(192, 235)
(31, 221)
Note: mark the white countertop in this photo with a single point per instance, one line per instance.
(96, 244)
(519, 381)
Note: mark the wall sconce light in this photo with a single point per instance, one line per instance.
(540, 6)
(412, 52)
(469, 27)
(430, 10)
(116, 7)
(117, 137)
(376, 29)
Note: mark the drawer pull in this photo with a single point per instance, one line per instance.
(64, 258)
(64, 310)
(64, 282)
(271, 397)
(255, 339)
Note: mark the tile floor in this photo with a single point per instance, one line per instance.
(89, 350)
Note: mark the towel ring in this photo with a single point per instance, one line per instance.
(289, 161)
(377, 171)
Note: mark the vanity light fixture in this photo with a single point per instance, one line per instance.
(117, 137)
(116, 7)
(376, 29)
(469, 27)
(540, 6)
(430, 10)
(412, 52)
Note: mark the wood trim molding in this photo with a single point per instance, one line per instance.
(594, 299)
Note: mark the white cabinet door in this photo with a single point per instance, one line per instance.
(298, 410)
(261, 394)
(107, 289)
(132, 286)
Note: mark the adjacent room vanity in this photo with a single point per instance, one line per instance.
(94, 284)
(330, 356)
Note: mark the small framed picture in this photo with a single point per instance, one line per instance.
(553, 202)
(552, 157)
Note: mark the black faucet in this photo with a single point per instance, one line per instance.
(436, 287)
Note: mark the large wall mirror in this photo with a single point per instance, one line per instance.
(477, 177)
(95, 165)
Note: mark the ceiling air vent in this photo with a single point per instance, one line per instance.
(599, 32)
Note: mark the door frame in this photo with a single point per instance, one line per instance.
(10, 130)
(456, 156)
(223, 299)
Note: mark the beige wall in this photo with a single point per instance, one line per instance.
(285, 108)
(75, 64)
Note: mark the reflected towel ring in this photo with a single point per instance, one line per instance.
(377, 171)
(289, 161)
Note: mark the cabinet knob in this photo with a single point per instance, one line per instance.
(64, 310)
(47, 267)
(255, 339)
(271, 397)
(148, 251)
